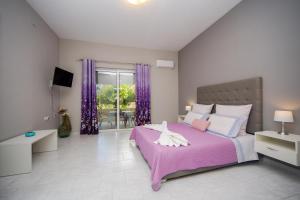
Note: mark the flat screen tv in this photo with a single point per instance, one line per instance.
(62, 77)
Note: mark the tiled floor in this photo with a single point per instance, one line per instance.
(107, 167)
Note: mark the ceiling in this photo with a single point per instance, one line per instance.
(158, 24)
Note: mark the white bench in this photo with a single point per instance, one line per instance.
(16, 153)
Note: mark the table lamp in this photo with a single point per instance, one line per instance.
(188, 108)
(283, 116)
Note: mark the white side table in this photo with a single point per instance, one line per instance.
(16, 153)
(180, 118)
(282, 147)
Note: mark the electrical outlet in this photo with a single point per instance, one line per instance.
(50, 84)
(46, 118)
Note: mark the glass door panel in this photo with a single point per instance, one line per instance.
(107, 99)
(115, 99)
(126, 100)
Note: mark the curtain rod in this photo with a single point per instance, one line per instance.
(112, 62)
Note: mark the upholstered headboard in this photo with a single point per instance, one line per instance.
(241, 92)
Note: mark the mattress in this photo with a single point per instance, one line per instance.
(206, 150)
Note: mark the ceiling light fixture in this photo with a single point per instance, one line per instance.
(137, 2)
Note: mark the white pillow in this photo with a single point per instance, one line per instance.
(235, 111)
(202, 109)
(225, 125)
(191, 116)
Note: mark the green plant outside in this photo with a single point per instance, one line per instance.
(107, 96)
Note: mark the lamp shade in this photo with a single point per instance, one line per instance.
(188, 108)
(283, 116)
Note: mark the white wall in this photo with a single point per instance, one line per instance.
(28, 54)
(164, 82)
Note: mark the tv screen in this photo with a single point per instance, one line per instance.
(62, 77)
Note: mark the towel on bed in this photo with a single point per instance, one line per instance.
(167, 137)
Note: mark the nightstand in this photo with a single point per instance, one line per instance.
(180, 118)
(282, 147)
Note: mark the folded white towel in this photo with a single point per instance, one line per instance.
(167, 137)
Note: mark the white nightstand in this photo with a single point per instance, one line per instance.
(180, 118)
(282, 147)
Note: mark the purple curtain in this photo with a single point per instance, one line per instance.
(89, 120)
(142, 112)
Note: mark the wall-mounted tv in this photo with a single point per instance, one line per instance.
(62, 77)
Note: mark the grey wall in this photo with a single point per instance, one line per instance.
(256, 38)
(28, 54)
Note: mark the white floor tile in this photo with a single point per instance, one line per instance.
(108, 167)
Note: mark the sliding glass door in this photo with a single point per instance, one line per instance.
(107, 99)
(115, 98)
(126, 99)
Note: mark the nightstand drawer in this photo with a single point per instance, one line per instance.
(277, 152)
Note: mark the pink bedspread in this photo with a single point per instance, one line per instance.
(205, 150)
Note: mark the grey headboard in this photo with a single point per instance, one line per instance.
(241, 92)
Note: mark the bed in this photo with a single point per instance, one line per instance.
(206, 150)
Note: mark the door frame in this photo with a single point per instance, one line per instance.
(117, 71)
